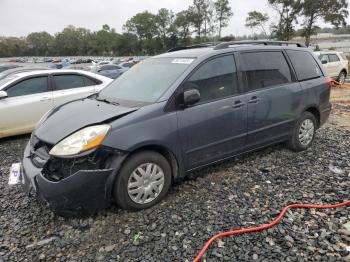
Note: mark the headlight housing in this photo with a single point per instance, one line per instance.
(83, 140)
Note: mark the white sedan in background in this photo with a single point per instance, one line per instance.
(26, 96)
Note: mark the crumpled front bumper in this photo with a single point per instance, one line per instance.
(83, 193)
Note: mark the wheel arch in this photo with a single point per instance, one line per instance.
(316, 112)
(165, 152)
(176, 168)
(345, 71)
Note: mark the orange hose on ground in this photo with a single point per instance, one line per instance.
(263, 227)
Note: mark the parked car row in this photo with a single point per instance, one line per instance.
(73, 60)
(112, 69)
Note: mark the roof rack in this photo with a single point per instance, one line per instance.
(258, 42)
(224, 45)
(201, 45)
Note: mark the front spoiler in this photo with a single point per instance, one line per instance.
(83, 193)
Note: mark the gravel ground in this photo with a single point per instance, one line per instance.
(250, 190)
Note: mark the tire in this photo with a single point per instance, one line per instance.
(342, 77)
(132, 185)
(298, 142)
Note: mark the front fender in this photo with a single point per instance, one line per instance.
(158, 131)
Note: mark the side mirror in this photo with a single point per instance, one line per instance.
(191, 97)
(3, 94)
(324, 62)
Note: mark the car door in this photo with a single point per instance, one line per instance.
(336, 65)
(69, 87)
(272, 96)
(215, 127)
(326, 64)
(28, 100)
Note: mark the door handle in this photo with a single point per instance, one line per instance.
(254, 100)
(45, 98)
(238, 104)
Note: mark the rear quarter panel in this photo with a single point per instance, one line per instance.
(315, 93)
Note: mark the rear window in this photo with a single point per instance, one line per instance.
(90, 82)
(304, 64)
(265, 69)
(63, 82)
(333, 58)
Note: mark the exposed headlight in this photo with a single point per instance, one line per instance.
(83, 140)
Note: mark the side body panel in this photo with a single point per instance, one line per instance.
(212, 131)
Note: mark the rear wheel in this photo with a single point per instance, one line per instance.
(303, 133)
(143, 181)
(342, 77)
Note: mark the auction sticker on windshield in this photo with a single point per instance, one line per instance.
(186, 61)
(15, 174)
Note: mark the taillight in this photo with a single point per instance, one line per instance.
(329, 81)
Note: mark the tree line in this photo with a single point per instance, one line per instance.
(146, 33)
(305, 12)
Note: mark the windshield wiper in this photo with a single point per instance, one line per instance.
(107, 101)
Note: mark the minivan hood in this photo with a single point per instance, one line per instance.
(73, 116)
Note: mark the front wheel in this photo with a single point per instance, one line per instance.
(143, 181)
(303, 133)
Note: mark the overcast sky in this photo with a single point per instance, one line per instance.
(21, 17)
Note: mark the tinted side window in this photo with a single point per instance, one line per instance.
(90, 82)
(29, 87)
(68, 81)
(215, 79)
(304, 64)
(333, 58)
(324, 58)
(265, 69)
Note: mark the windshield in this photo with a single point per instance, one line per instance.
(146, 81)
(5, 80)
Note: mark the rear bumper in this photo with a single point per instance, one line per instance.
(83, 193)
(324, 114)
